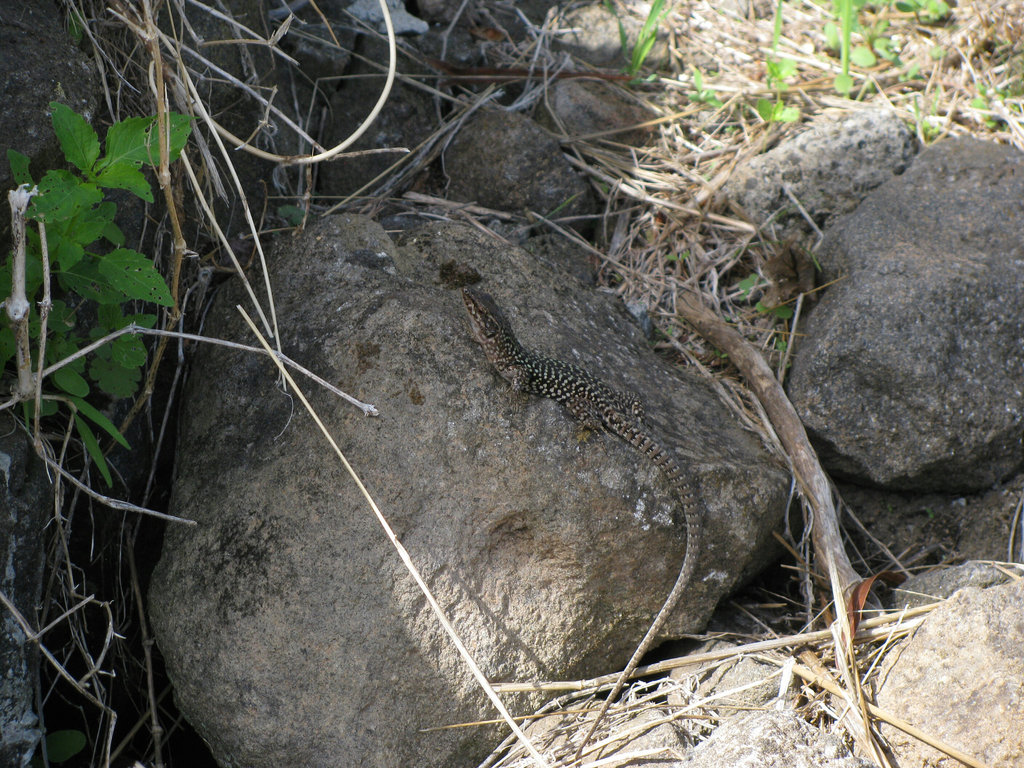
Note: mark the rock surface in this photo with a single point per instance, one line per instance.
(38, 64)
(583, 107)
(828, 168)
(594, 33)
(290, 629)
(940, 583)
(771, 738)
(504, 160)
(406, 120)
(912, 373)
(963, 666)
(26, 506)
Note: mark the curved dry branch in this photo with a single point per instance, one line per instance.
(828, 542)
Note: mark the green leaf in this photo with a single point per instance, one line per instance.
(62, 347)
(128, 351)
(747, 284)
(92, 447)
(110, 317)
(100, 421)
(647, 36)
(65, 253)
(292, 213)
(831, 36)
(19, 167)
(113, 234)
(79, 141)
(7, 345)
(125, 176)
(784, 114)
(85, 279)
(912, 72)
(64, 196)
(88, 225)
(63, 745)
(114, 379)
(135, 276)
(886, 48)
(780, 69)
(62, 318)
(934, 11)
(181, 128)
(843, 84)
(69, 381)
(128, 143)
(863, 57)
(142, 320)
(777, 112)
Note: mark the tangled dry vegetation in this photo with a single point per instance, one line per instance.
(663, 238)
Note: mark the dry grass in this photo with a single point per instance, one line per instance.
(664, 230)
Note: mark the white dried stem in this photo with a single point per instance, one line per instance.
(17, 304)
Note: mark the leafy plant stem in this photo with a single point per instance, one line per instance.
(777, 32)
(846, 30)
(44, 315)
(50, 370)
(647, 37)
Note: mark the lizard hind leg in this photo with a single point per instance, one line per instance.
(588, 417)
(633, 405)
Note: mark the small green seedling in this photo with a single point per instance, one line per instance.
(926, 11)
(646, 38)
(704, 95)
(776, 111)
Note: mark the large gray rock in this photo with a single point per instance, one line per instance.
(593, 32)
(26, 503)
(911, 373)
(39, 63)
(779, 739)
(963, 667)
(505, 161)
(292, 633)
(828, 168)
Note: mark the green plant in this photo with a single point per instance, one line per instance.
(646, 38)
(292, 214)
(926, 124)
(96, 277)
(778, 69)
(845, 11)
(61, 746)
(776, 111)
(747, 286)
(704, 95)
(926, 11)
(776, 72)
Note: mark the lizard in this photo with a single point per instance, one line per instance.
(598, 407)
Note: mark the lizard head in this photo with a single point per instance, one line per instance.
(486, 320)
